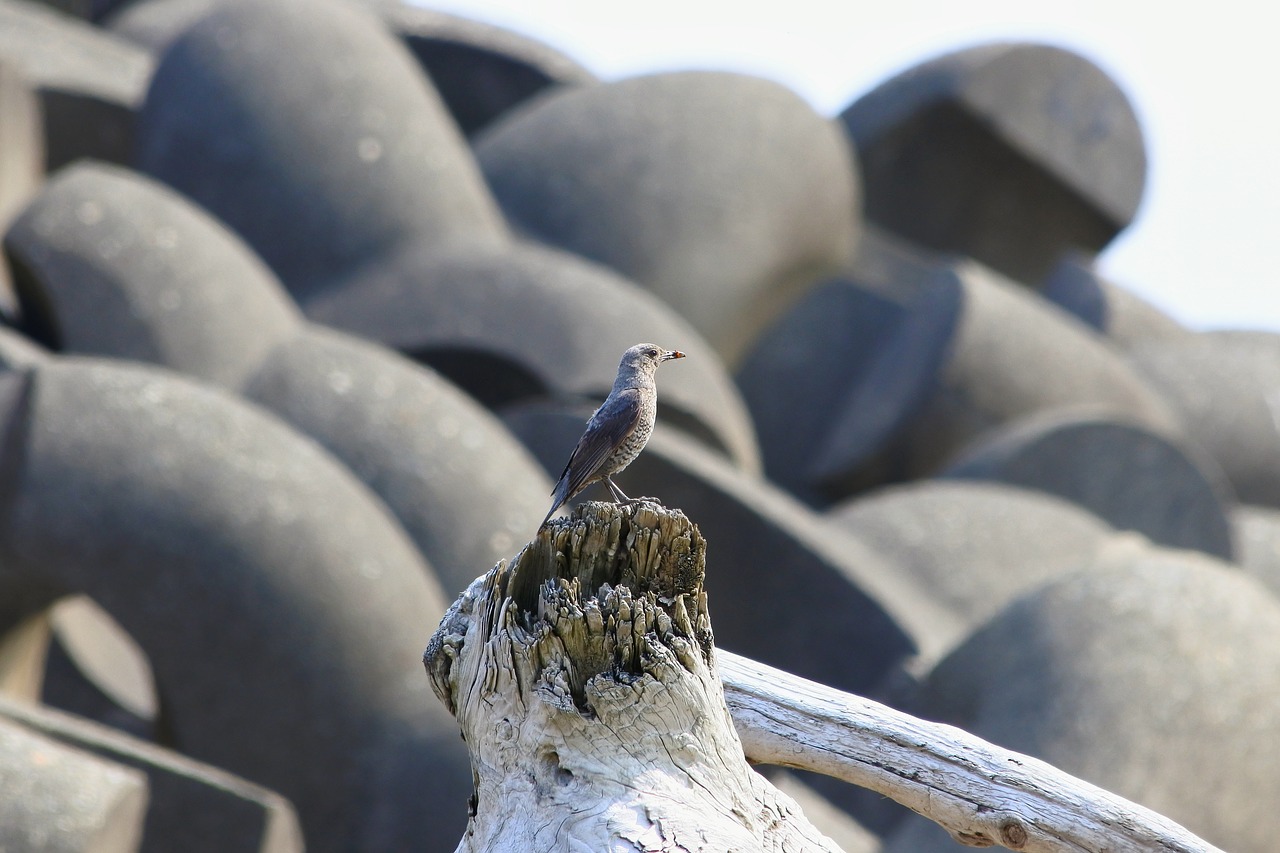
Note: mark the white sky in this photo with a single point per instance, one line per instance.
(1203, 79)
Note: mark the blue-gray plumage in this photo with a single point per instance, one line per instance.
(618, 430)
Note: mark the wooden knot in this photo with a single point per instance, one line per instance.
(1013, 833)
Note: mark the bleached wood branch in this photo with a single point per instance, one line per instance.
(980, 793)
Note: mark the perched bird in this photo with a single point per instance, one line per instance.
(618, 430)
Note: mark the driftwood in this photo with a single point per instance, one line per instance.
(982, 794)
(588, 689)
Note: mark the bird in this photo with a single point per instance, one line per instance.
(618, 430)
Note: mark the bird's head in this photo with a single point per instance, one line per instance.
(645, 358)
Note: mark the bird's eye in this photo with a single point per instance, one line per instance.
(653, 353)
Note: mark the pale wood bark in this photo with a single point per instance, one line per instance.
(982, 794)
(588, 689)
(583, 676)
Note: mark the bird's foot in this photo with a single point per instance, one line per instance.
(643, 500)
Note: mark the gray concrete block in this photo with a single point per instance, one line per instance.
(973, 351)
(832, 383)
(1011, 153)
(522, 321)
(279, 604)
(21, 142)
(1152, 675)
(96, 670)
(480, 70)
(62, 800)
(17, 350)
(1015, 355)
(255, 112)
(785, 587)
(192, 807)
(465, 489)
(154, 24)
(726, 195)
(1223, 389)
(1123, 317)
(122, 266)
(969, 548)
(1257, 535)
(1130, 476)
(89, 83)
(111, 263)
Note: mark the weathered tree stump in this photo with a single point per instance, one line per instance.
(583, 675)
(585, 679)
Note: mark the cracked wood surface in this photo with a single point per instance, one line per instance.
(589, 691)
(583, 677)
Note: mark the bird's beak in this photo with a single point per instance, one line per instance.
(675, 353)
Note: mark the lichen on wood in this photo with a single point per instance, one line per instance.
(583, 677)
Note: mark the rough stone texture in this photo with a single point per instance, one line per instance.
(96, 671)
(522, 321)
(192, 807)
(726, 195)
(319, 190)
(183, 511)
(1125, 318)
(1127, 475)
(970, 548)
(21, 160)
(154, 24)
(787, 588)
(89, 83)
(1011, 153)
(62, 799)
(481, 71)
(461, 485)
(122, 266)
(1154, 676)
(1225, 390)
(835, 379)
(21, 142)
(17, 350)
(1257, 535)
(1013, 355)
(111, 263)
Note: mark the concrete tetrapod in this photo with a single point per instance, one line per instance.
(1011, 153)
(969, 548)
(59, 798)
(1223, 385)
(1014, 355)
(960, 350)
(257, 113)
(1131, 477)
(192, 807)
(89, 83)
(176, 288)
(726, 195)
(1151, 673)
(280, 606)
(523, 320)
(1124, 317)
(480, 70)
(834, 381)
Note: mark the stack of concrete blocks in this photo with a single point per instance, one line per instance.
(305, 302)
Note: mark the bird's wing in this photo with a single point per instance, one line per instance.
(607, 429)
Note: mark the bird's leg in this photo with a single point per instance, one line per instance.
(619, 496)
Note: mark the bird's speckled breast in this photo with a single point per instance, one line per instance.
(631, 446)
